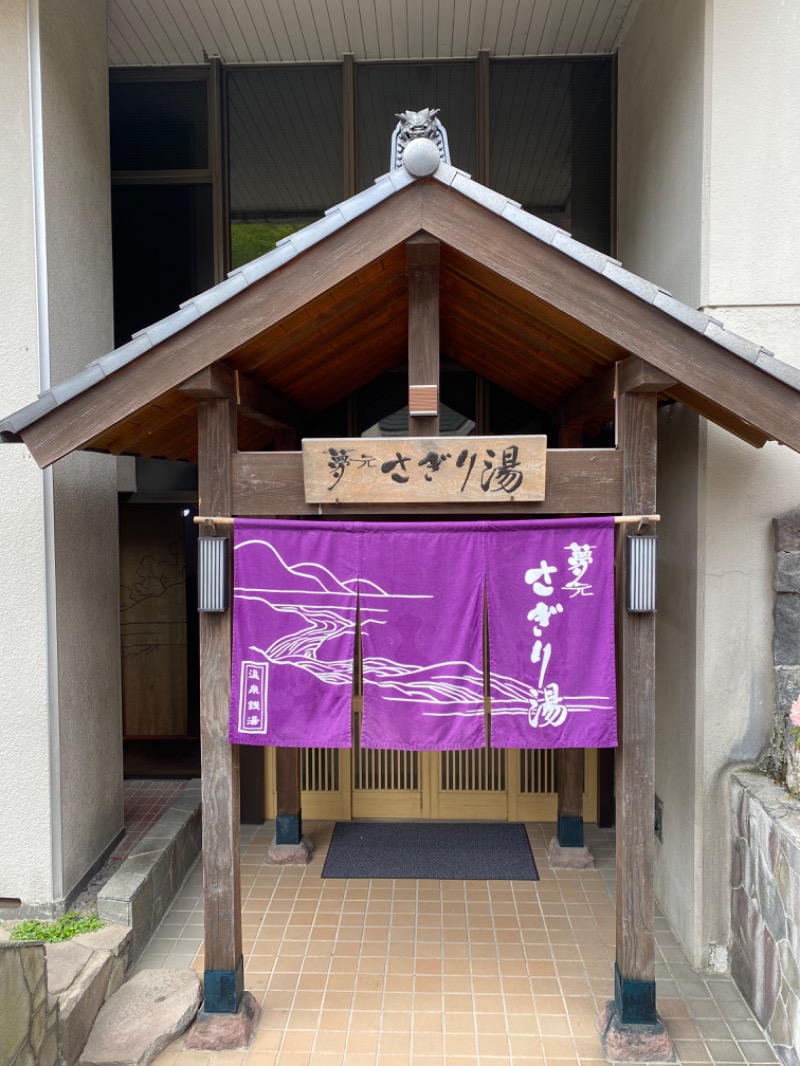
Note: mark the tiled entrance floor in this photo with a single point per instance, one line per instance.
(451, 973)
(145, 800)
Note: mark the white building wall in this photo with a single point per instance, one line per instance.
(78, 217)
(60, 721)
(26, 858)
(709, 208)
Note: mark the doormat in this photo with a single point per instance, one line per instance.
(438, 851)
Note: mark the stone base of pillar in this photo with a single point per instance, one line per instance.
(290, 854)
(561, 858)
(633, 1043)
(225, 1032)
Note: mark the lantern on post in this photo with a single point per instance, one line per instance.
(212, 574)
(640, 591)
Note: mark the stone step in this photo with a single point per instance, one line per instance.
(142, 1018)
(81, 975)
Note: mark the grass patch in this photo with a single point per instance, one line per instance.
(63, 928)
(249, 240)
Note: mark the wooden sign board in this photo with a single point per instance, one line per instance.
(425, 470)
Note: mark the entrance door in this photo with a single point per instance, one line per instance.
(487, 784)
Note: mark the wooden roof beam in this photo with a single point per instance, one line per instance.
(220, 382)
(596, 398)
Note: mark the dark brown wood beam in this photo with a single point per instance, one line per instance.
(224, 966)
(422, 267)
(255, 401)
(585, 481)
(635, 990)
(220, 332)
(571, 289)
(596, 399)
(288, 821)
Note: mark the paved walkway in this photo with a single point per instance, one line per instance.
(452, 973)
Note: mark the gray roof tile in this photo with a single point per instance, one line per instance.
(122, 356)
(370, 197)
(740, 346)
(257, 269)
(785, 372)
(77, 384)
(640, 287)
(311, 235)
(481, 195)
(582, 252)
(447, 174)
(10, 426)
(219, 294)
(532, 224)
(170, 325)
(682, 312)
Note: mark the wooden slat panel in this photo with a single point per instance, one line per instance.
(587, 481)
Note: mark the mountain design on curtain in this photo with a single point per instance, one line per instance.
(418, 589)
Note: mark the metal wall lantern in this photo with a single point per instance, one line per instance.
(640, 592)
(212, 574)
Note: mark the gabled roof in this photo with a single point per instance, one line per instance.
(521, 302)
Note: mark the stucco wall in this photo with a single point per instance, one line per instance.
(660, 123)
(78, 213)
(60, 722)
(708, 207)
(680, 478)
(25, 852)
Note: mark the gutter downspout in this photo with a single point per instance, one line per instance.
(48, 498)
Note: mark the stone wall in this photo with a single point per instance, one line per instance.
(28, 1024)
(765, 907)
(782, 760)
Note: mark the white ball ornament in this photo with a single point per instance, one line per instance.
(421, 157)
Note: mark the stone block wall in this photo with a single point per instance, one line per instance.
(142, 889)
(765, 907)
(28, 1023)
(782, 760)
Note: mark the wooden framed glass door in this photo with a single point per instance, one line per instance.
(488, 784)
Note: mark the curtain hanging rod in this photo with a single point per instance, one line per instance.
(619, 520)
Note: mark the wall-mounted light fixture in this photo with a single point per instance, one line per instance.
(640, 593)
(212, 574)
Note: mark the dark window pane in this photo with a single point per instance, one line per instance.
(550, 150)
(385, 91)
(162, 241)
(158, 125)
(285, 149)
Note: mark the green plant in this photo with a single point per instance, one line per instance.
(63, 928)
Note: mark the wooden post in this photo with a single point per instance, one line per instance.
(224, 967)
(570, 761)
(422, 259)
(635, 988)
(288, 816)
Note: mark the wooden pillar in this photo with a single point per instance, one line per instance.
(570, 761)
(634, 986)
(224, 969)
(422, 267)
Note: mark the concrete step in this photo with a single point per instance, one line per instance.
(142, 1018)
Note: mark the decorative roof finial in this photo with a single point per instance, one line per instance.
(419, 142)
